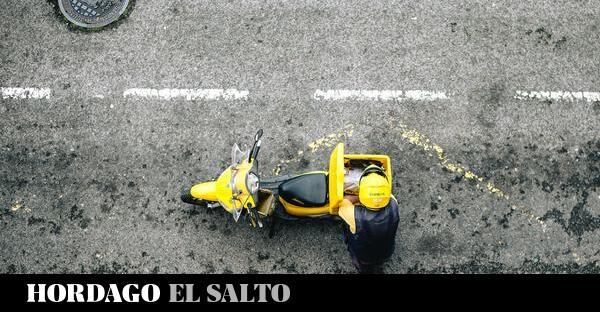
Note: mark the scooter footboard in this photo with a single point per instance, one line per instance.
(266, 202)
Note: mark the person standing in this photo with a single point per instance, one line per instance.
(370, 221)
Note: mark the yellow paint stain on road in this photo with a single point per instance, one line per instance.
(331, 139)
(327, 141)
(416, 138)
(16, 206)
(577, 258)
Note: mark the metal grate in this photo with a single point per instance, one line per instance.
(92, 13)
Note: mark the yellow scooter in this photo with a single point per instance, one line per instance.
(314, 194)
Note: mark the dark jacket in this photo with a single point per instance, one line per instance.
(374, 240)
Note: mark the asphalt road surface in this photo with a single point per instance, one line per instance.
(500, 172)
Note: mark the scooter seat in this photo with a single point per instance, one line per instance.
(306, 190)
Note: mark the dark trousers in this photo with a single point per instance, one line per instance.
(362, 267)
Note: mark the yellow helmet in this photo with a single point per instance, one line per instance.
(374, 189)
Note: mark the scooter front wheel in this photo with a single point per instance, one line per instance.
(186, 197)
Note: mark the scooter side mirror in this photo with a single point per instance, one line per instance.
(258, 135)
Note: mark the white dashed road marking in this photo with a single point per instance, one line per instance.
(568, 96)
(319, 95)
(188, 94)
(25, 93)
(379, 95)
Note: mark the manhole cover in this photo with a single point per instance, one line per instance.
(92, 13)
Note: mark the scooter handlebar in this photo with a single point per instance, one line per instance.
(256, 146)
(258, 135)
(256, 149)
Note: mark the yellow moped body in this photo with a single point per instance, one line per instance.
(313, 194)
(229, 189)
(232, 190)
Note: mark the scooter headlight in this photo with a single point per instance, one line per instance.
(252, 183)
